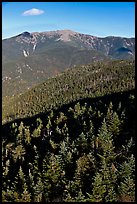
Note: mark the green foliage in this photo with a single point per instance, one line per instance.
(113, 121)
(82, 151)
(127, 178)
(27, 135)
(19, 153)
(105, 180)
(98, 190)
(37, 130)
(93, 80)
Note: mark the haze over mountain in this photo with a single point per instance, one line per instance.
(30, 58)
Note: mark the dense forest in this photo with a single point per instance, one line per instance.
(93, 80)
(75, 144)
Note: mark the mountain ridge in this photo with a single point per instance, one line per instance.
(89, 42)
(71, 31)
(31, 58)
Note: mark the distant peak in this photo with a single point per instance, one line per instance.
(66, 31)
(63, 34)
(25, 34)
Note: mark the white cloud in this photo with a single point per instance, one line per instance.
(33, 12)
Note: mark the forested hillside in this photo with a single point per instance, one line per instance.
(93, 80)
(82, 152)
(72, 138)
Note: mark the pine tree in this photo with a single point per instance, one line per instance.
(19, 153)
(113, 121)
(20, 136)
(52, 178)
(26, 197)
(106, 177)
(82, 142)
(98, 189)
(38, 190)
(80, 197)
(27, 135)
(20, 188)
(127, 180)
(128, 148)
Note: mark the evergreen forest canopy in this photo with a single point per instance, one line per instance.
(93, 80)
(72, 138)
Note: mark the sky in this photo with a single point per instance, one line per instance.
(99, 19)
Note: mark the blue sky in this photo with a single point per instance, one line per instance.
(96, 18)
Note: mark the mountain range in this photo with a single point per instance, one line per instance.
(31, 58)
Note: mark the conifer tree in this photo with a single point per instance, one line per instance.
(20, 136)
(25, 196)
(52, 178)
(38, 190)
(27, 135)
(106, 177)
(19, 153)
(98, 189)
(37, 130)
(113, 121)
(127, 179)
